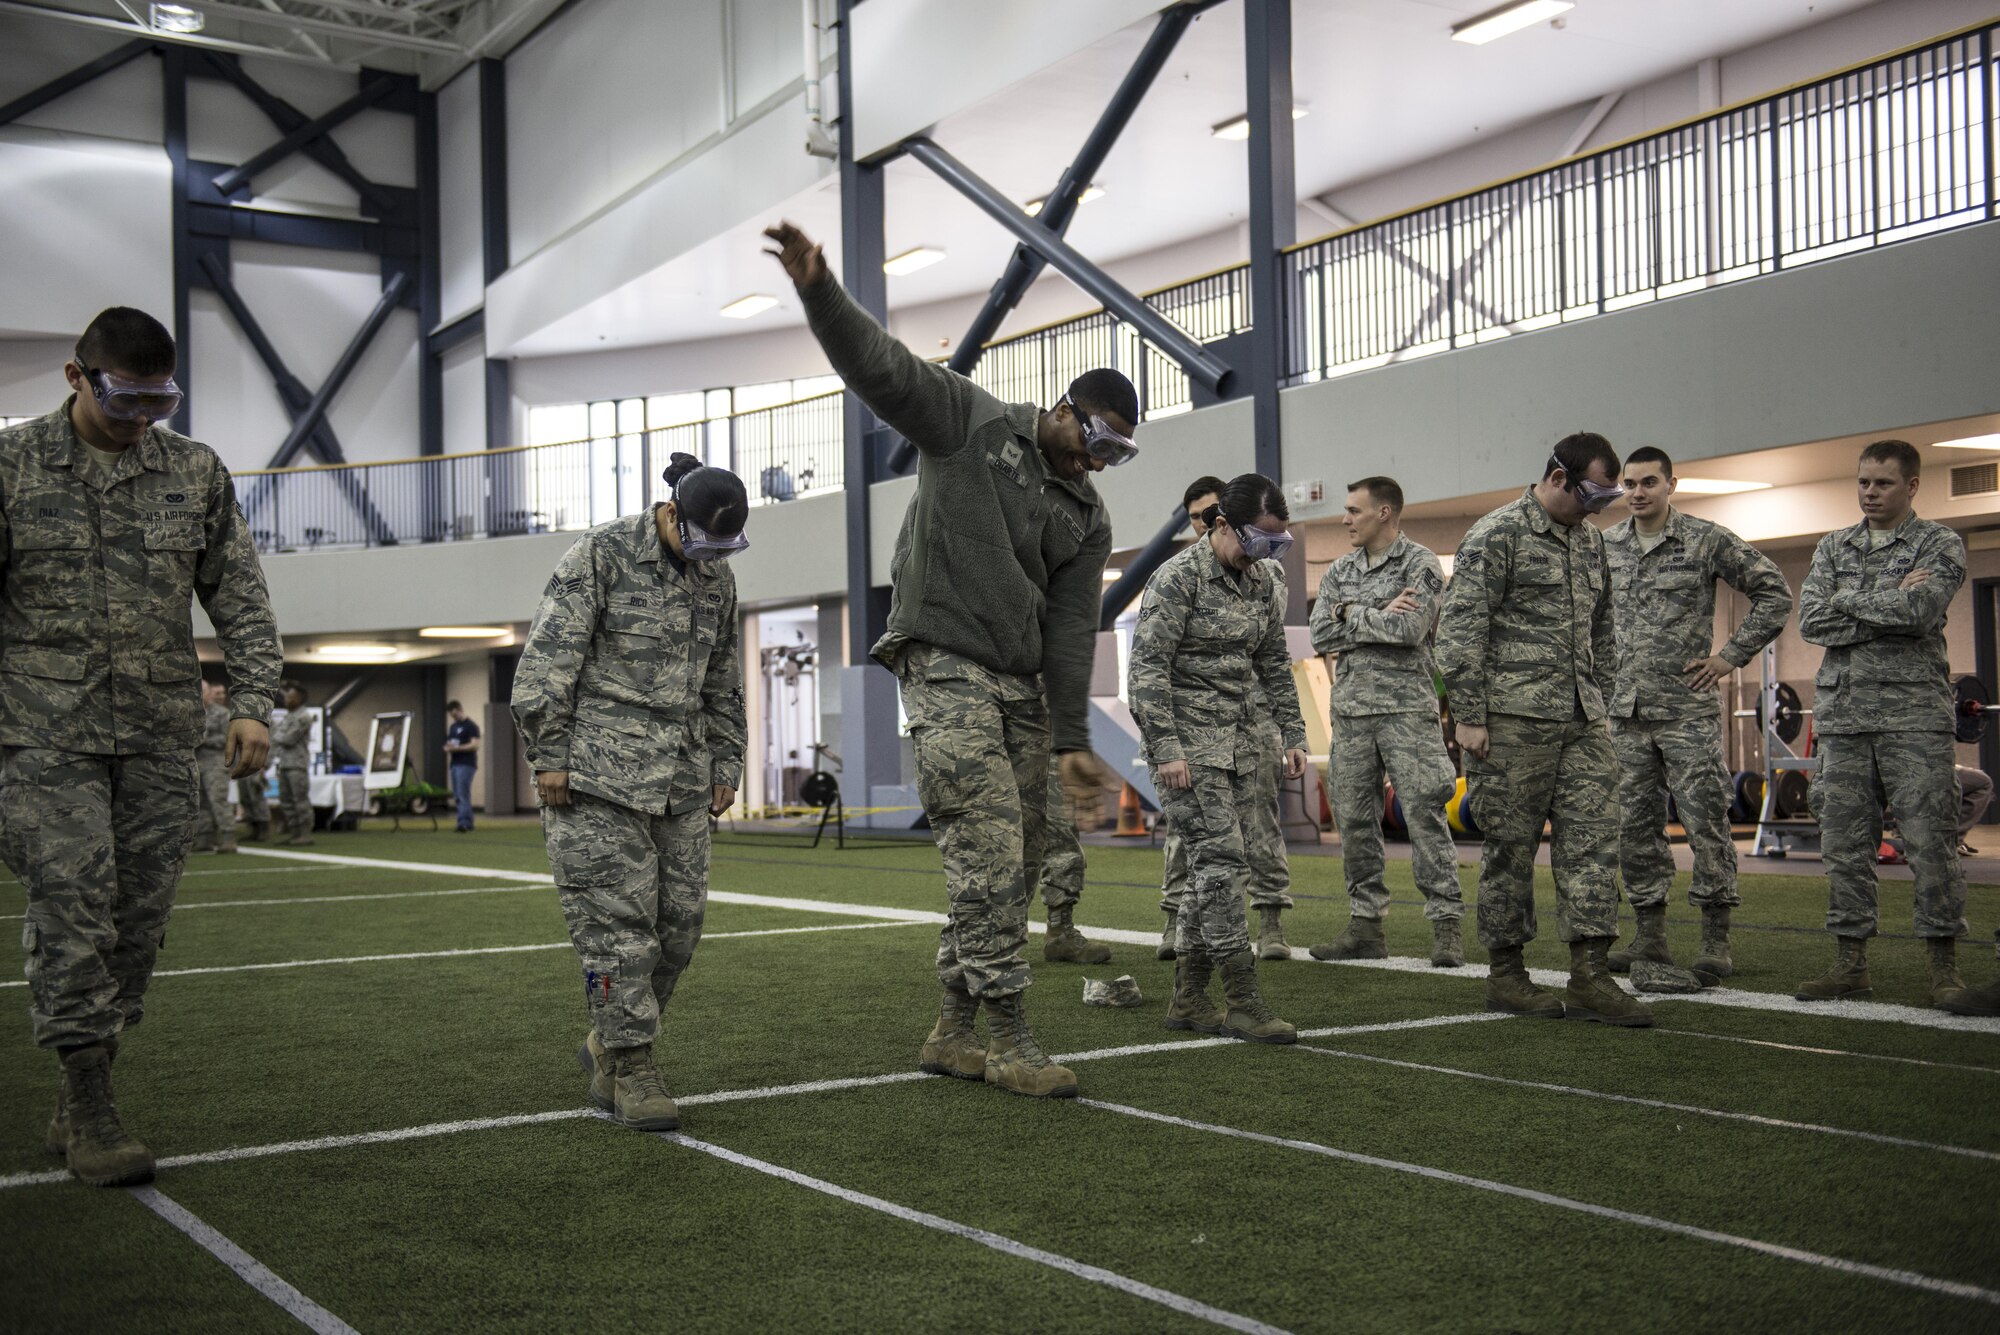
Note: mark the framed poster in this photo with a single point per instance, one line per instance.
(388, 749)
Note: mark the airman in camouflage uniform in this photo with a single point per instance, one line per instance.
(629, 701)
(1665, 720)
(215, 830)
(256, 804)
(1377, 609)
(1883, 709)
(1526, 647)
(110, 526)
(291, 743)
(998, 577)
(1209, 635)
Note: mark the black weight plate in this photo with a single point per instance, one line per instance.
(1792, 789)
(819, 789)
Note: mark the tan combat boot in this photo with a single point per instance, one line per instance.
(1447, 950)
(1648, 943)
(1847, 980)
(1191, 1007)
(1249, 1018)
(1014, 1061)
(56, 1141)
(98, 1150)
(1271, 944)
(1593, 994)
(639, 1093)
(1066, 945)
(1510, 991)
(1713, 958)
(1170, 936)
(590, 1056)
(954, 1047)
(1361, 941)
(1974, 1001)
(1946, 985)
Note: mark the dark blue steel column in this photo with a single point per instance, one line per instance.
(862, 200)
(173, 102)
(504, 503)
(1267, 70)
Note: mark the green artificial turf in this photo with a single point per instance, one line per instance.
(578, 1224)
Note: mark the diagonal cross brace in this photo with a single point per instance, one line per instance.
(70, 82)
(229, 182)
(289, 118)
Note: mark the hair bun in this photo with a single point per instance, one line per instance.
(679, 467)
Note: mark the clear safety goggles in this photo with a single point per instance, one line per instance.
(1100, 441)
(1260, 544)
(129, 400)
(698, 544)
(1593, 498)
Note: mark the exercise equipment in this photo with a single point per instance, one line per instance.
(1784, 817)
(1458, 813)
(1748, 789)
(1970, 700)
(1392, 811)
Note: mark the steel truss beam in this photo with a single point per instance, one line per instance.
(70, 82)
(288, 118)
(236, 178)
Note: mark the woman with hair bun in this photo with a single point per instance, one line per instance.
(629, 700)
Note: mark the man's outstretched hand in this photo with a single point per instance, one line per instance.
(805, 263)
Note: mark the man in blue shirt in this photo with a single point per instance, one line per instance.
(461, 743)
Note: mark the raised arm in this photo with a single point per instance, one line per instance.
(1757, 577)
(722, 699)
(544, 701)
(1163, 618)
(1069, 639)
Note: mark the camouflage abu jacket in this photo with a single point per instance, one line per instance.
(1885, 668)
(1663, 609)
(632, 680)
(1207, 640)
(1526, 627)
(1385, 661)
(96, 638)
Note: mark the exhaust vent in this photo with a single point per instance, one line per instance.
(1975, 479)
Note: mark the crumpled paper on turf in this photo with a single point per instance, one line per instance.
(1122, 991)
(1652, 976)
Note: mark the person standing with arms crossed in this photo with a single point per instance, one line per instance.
(1527, 651)
(992, 629)
(291, 747)
(1378, 609)
(629, 698)
(1875, 599)
(1666, 724)
(461, 747)
(111, 526)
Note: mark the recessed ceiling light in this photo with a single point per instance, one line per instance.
(1090, 192)
(462, 632)
(923, 257)
(356, 653)
(744, 307)
(1991, 442)
(1496, 23)
(176, 18)
(1715, 486)
(1238, 127)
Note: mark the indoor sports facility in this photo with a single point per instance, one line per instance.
(598, 597)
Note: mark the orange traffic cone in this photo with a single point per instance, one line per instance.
(1130, 823)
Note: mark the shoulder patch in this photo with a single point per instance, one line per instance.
(1430, 581)
(561, 587)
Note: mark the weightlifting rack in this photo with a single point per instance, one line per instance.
(1777, 707)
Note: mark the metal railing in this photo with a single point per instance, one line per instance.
(1899, 148)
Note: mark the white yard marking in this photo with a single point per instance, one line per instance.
(184, 907)
(1907, 1278)
(247, 1267)
(1900, 1142)
(1110, 1279)
(1831, 1052)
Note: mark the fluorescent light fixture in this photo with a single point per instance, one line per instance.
(356, 653)
(744, 307)
(1238, 127)
(462, 632)
(1111, 576)
(1715, 486)
(1497, 23)
(1991, 442)
(1033, 207)
(923, 257)
(176, 18)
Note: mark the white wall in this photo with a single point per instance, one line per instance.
(85, 222)
(124, 104)
(461, 237)
(465, 398)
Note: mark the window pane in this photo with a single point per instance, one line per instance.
(558, 422)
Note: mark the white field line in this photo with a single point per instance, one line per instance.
(327, 899)
(1831, 1052)
(232, 871)
(431, 1129)
(1721, 996)
(1109, 1279)
(1906, 1278)
(1900, 1142)
(247, 1267)
(482, 950)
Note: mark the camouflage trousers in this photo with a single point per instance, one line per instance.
(1062, 863)
(1409, 748)
(1213, 816)
(295, 800)
(1911, 772)
(215, 820)
(1263, 849)
(633, 888)
(1566, 774)
(1683, 757)
(99, 842)
(255, 801)
(982, 748)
